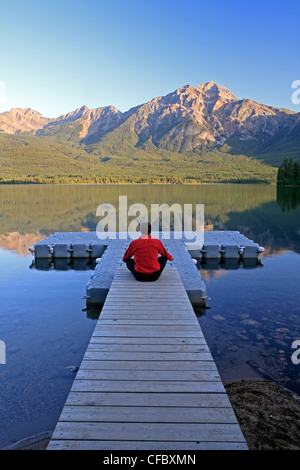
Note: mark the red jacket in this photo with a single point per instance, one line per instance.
(145, 252)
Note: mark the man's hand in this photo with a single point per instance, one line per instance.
(172, 259)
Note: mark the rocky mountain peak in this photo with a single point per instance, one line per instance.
(22, 120)
(183, 120)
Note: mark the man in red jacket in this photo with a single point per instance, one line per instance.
(146, 266)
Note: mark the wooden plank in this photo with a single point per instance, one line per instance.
(145, 322)
(114, 303)
(141, 331)
(147, 365)
(149, 311)
(160, 286)
(147, 340)
(130, 301)
(208, 432)
(168, 351)
(142, 308)
(145, 297)
(163, 281)
(139, 313)
(142, 386)
(147, 290)
(193, 400)
(154, 375)
(151, 414)
(146, 356)
(109, 347)
(142, 316)
(144, 445)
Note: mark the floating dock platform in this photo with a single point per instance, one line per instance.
(147, 380)
(109, 252)
(206, 244)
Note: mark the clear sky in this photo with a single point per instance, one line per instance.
(58, 55)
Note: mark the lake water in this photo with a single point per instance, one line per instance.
(253, 313)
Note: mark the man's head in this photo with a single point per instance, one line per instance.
(145, 228)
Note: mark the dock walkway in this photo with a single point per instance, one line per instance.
(147, 380)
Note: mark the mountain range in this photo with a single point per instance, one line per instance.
(184, 129)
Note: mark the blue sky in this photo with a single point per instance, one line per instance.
(56, 56)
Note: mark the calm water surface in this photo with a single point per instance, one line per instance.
(253, 313)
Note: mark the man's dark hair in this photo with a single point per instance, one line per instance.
(145, 228)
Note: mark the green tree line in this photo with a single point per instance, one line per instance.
(288, 172)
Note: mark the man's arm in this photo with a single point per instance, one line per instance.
(128, 253)
(164, 253)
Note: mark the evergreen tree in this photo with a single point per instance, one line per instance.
(288, 172)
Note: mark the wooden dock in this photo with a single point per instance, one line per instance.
(147, 380)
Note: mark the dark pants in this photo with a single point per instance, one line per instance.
(143, 277)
